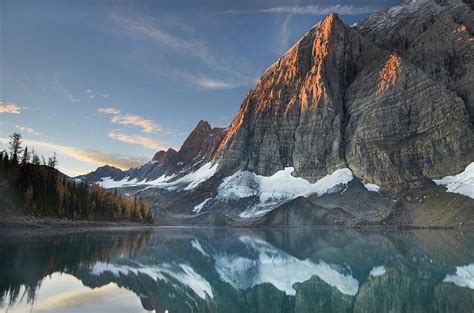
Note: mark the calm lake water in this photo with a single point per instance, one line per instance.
(238, 270)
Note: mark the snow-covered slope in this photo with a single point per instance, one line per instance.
(271, 191)
(186, 182)
(462, 183)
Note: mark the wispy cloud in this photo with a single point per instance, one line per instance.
(147, 126)
(284, 34)
(108, 110)
(28, 130)
(214, 83)
(59, 86)
(93, 94)
(92, 156)
(10, 108)
(342, 9)
(207, 82)
(147, 142)
(189, 44)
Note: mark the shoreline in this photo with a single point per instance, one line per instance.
(28, 225)
(49, 225)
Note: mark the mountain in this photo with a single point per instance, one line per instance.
(197, 150)
(335, 100)
(353, 125)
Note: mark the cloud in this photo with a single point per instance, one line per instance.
(147, 142)
(91, 94)
(59, 86)
(10, 108)
(214, 83)
(108, 111)
(147, 126)
(316, 10)
(28, 130)
(190, 46)
(208, 83)
(92, 156)
(284, 34)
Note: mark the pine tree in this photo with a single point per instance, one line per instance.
(15, 146)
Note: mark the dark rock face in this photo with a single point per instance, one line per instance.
(165, 157)
(436, 36)
(301, 212)
(337, 100)
(101, 172)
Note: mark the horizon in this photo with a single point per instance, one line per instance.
(112, 84)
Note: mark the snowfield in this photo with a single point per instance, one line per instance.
(108, 182)
(278, 188)
(462, 183)
(187, 182)
(372, 187)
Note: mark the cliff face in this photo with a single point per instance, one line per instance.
(336, 100)
(434, 35)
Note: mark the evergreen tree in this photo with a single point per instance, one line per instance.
(15, 146)
(41, 190)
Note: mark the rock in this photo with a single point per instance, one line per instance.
(337, 100)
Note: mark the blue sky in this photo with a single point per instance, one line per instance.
(115, 81)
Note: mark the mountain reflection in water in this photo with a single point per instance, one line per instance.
(239, 270)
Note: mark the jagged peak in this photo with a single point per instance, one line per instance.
(203, 124)
(330, 20)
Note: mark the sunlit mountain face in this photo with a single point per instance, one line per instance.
(216, 270)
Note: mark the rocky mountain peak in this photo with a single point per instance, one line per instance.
(335, 95)
(301, 79)
(164, 157)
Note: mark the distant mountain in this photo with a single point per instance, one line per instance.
(356, 123)
(197, 151)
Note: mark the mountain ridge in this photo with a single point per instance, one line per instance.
(390, 107)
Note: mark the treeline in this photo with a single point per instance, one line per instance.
(38, 189)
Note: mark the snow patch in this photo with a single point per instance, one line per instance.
(464, 276)
(378, 271)
(187, 182)
(192, 180)
(199, 207)
(108, 182)
(462, 183)
(372, 187)
(278, 188)
(181, 273)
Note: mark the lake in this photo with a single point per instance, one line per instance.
(238, 270)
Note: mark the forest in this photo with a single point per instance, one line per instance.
(31, 185)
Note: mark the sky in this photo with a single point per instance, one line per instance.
(113, 82)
